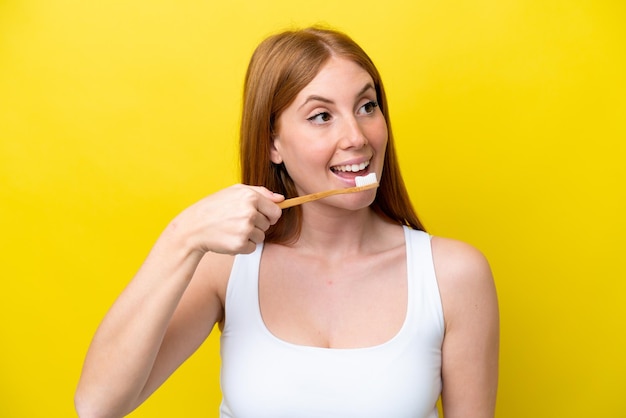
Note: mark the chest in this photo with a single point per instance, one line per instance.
(397, 375)
(347, 303)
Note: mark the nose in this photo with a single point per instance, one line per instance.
(352, 135)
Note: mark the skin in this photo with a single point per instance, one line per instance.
(324, 290)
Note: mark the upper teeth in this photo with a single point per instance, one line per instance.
(352, 167)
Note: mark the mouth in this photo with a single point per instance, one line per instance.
(350, 171)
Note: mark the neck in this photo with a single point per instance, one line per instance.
(339, 233)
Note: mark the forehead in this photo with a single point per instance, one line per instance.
(335, 76)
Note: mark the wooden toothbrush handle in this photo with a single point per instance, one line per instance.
(320, 195)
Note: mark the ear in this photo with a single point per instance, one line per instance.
(275, 150)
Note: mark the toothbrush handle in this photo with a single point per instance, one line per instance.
(320, 195)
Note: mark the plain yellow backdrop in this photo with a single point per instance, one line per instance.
(510, 121)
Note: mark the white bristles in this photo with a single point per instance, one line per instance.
(361, 181)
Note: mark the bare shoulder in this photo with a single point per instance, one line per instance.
(464, 277)
(202, 304)
(212, 274)
(459, 261)
(216, 266)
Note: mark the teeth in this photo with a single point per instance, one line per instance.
(351, 167)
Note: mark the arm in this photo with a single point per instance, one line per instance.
(471, 342)
(173, 302)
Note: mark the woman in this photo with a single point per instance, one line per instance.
(343, 307)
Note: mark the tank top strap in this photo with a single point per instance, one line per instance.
(424, 296)
(242, 293)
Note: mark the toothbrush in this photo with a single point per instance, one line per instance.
(362, 183)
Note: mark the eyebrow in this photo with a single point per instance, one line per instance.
(314, 97)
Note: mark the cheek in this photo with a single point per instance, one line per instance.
(303, 153)
(378, 134)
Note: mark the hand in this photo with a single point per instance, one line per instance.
(231, 221)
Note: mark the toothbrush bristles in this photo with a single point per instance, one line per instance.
(361, 181)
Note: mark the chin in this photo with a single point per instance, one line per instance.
(358, 201)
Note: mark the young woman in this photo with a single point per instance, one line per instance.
(342, 307)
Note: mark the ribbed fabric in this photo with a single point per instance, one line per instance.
(265, 377)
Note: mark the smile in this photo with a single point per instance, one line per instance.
(350, 168)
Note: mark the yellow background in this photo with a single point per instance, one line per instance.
(510, 120)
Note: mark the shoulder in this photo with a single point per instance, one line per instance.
(210, 279)
(464, 277)
(459, 261)
(214, 265)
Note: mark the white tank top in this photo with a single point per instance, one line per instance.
(263, 376)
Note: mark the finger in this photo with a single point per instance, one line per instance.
(257, 236)
(261, 221)
(248, 248)
(274, 197)
(270, 210)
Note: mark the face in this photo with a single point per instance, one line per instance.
(332, 132)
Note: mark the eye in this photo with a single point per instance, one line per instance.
(369, 107)
(320, 118)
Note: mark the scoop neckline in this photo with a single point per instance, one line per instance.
(397, 336)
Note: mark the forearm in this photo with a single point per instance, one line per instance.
(125, 346)
(144, 337)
